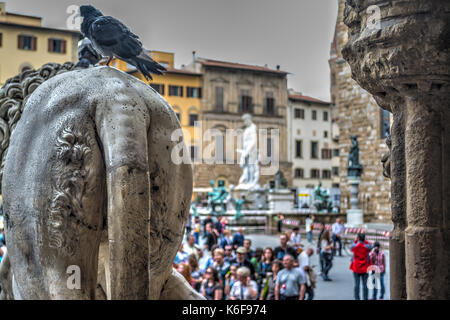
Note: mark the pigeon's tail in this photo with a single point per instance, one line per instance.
(147, 65)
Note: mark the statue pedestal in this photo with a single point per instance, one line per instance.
(354, 218)
(281, 200)
(255, 198)
(354, 214)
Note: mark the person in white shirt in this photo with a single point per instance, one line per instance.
(309, 226)
(296, 238)
(338, 229)
(305, 266)
(190, 247)
(245, 288)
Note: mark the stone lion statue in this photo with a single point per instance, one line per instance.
(88, 185)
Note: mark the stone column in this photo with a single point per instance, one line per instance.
(354, 214)
(399, 51)
(398, 197)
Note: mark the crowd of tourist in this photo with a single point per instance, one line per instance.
(224, 267)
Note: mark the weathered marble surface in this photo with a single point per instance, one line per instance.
(89, 166)
(405, 64)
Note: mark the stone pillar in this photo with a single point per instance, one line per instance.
(399, 51)
(398, 197)
(354, 214)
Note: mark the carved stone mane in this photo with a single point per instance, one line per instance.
(14, 95)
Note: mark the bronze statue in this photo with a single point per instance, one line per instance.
(354, 167)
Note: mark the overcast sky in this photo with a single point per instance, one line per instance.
(296, 34)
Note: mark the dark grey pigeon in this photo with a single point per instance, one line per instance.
(111, 38)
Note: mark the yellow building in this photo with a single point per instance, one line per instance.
(25, 43)
(181, 88)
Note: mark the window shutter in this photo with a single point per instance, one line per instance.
(181, 91)
(33, 43)
(20, 42)
(50, 45)
(199, 92)
(63, 46)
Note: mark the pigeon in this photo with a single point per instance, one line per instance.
(111, 38)
(87, 55)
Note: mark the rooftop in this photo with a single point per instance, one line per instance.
(240, 66)
(297, 96)
(170, 70)
(39, 28)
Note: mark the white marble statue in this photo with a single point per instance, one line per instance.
(249, 155)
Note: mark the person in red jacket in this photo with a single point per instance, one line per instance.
(360, 262)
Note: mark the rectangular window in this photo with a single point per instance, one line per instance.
(57, 45)
(299, 113)
(325, 116)
(315, 173)
(314, 150)
(175, 91)
(193, 92)
(269, 104)
(326, 153)
(158, 87)
(269, 147)
(245, 105)
(193, 118)
(325, 134)
(298, 173)
(194, 153)
(314, 115)
(219, 99)
(298, 148)
(385, 123)
(335, 171)
(27, 42)
(326, 174)
(336, 152)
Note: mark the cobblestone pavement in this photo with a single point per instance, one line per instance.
(341, 288)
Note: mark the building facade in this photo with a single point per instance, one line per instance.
(310, 141)
(25, 43)
(180, 88)
(229, 91)
(357, 113)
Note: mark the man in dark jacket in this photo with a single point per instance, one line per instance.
(284, 248)
(241, 261)
(238, 238)
(210, 237)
